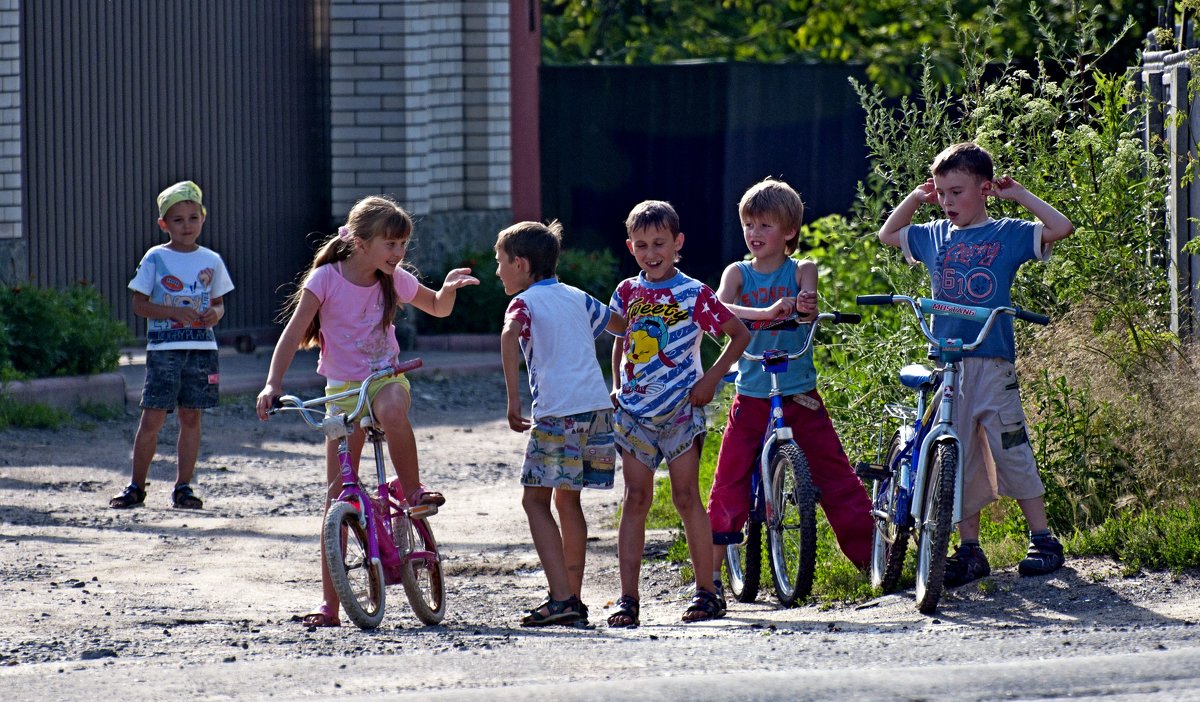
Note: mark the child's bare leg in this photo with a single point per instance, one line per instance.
(1034, 510)
(968, 528)
(145, 443)
(631, 535)
(547, 540)
(333, 481)
(574, 536)
(391, 408)
(685, 493)
(188, 445)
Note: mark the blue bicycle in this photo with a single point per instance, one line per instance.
(790, 513)
(917, 487)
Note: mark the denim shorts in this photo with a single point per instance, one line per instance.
(187, 378)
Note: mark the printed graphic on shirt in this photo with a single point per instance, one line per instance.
(175, 293)
(967, 275)
(661, 349)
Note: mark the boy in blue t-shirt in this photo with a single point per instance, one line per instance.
(972, 260)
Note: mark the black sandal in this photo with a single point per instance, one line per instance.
(627, 613)
(705, 606)
(566, 611)
(132, 496)
(183, 497)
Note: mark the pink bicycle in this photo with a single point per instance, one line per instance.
(370, 541)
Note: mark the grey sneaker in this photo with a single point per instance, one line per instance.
(1045, 555)
(967, 564)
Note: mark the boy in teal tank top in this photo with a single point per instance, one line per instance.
(770, 286)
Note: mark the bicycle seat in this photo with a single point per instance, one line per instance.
(918, 377)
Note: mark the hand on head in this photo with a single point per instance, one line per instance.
(1006, 188)
(927, 192)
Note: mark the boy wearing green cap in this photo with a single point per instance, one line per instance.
(180, 289)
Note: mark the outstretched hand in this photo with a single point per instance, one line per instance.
(459, 277)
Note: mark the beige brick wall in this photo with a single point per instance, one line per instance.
(420, 104)
(10, 119)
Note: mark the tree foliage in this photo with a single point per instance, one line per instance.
(885, 35)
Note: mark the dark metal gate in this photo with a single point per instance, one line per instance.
(122, 98)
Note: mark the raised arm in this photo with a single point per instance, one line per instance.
(902, 216)
(1055, 224)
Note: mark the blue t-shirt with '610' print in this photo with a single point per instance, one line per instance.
(976, 266)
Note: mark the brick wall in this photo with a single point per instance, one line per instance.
(420, 104)
(12, 251)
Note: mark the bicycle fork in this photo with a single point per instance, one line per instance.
(941, 430)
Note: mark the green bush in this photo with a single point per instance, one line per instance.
(48, 332)
(480, 309)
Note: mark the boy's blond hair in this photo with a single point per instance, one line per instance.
(779, 201)
(537, 243)
(967, 157)
(652, 214)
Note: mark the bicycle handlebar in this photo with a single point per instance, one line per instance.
(307, 408)
(794, 322)
(986, 315)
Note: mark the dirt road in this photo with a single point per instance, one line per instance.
(153, 603)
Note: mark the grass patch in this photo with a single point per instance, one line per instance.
(100, 411)
(29, 416)
(1169, 538)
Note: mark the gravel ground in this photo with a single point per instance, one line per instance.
(156, 602)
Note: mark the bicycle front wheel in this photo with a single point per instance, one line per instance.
(792, 531)
(743, 562)
(935, 524)
(890, 540)
(421, 572)
(357, 581)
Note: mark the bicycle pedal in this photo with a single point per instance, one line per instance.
(422, 511)
(872, 471)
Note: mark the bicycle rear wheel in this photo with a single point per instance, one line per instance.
(792, 532)
(935, 525)
(421, 576)
(357, 581)
(890, 540)
(743, 562)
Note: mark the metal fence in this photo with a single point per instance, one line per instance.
(697, 134)
(1173, 125)
(123, 98)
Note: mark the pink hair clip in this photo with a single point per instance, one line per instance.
(344, 234)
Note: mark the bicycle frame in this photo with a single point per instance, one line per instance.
(774, 363)
(374, 512)
(949, 351)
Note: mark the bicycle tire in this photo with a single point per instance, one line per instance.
(743, 562)
(792, 533)
(936, 524)
(357, 581)
(889, 543)
(422, 579)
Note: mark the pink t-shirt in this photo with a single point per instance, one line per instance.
(352, 344)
